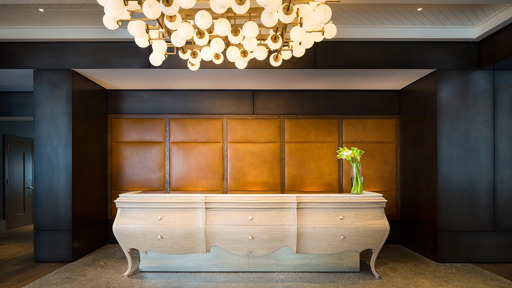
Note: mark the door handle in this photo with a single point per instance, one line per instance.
(29, 187)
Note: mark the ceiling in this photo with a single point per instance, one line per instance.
(261, 79)
(71, 20)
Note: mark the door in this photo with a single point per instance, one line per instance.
(18, 172)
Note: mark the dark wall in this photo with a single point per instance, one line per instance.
(16, 104)
(418, 136)
(496, 48)
(64, 104)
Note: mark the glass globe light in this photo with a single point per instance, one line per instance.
(173, 22)
(192, 66)
(218, 58)
(201, 37)
(102, 2)
(308, 22)
(263, 3)
(222, 27)
(126, 14)
(260, 53)
(241, 6)
(297, 33)
(235, 36)
(241, 64)
(274, 5)
(323, 13)
(244, 56)
(305, 9)
(176, 40)
(195, 57)
(184, 55)
(250, 29)
(153, 34)
(156, 59)
(137, 28)
(169, 7)
(320, 1)
(317, 36)
(232, 53)
(151, 9)
(110, 23)
(224, 3)
(276, 59)
(132, 5)
(298, 51)
(142, 42)
(217, 45)
(159, 46)
(203, 19)
(330, 31)
(308, 41)
(186, 30)
(286, 54)
(187, 4)
(114, 9)
(287, 13)
(216, 8)
(269, 19)
(274, 41)
(207, 53)
(250, 44)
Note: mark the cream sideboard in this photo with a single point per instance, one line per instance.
(250, 224)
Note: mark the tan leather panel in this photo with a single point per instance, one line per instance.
(195, 130)
(391, 206)
(369, 130)
(138, 166)
(138, 130)
(311, 167)
(254, 130)
(311, 130)
(254, 167)
(196, 167)
(378, 164)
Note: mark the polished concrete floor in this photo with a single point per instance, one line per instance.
(398, 266)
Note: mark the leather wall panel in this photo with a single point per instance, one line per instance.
(196, 167)
(254, 156)
(369, 130)
(138, 166)
(254, 130)
(311, 130)
(196, 130)
(254, 167)
(138, 130)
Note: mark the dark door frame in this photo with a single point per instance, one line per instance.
(4, 177)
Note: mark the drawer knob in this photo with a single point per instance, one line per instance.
(342, 237)
(160, 217)
(251, 237)
(160, 237)
(341, 217)
(250, 218)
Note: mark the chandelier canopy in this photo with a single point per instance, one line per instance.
(211, 30)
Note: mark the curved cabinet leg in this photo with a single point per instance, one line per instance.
(129, 271)
(372, 262)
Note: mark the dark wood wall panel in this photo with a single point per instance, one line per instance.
(465, 140)
(179, 102)
(418, 167)
(496, 48)
(322, 102)
(503, 146)
(490, 247)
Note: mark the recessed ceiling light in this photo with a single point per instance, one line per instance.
(420, 9)
(41, 10)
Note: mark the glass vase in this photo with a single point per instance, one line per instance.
(356, 179)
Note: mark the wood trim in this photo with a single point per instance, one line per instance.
(283, 158)
(109, 166)
(167, 156)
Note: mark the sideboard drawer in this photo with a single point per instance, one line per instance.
(161, 217)
(174, 240)
(338, 217)
(244, 240)
(252, 217)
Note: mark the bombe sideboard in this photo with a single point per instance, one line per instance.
(256, 224)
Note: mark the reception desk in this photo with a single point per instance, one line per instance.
(250, 224)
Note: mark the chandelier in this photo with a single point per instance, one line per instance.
(211, 30)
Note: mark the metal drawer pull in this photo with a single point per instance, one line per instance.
(341, 217)
(160, 237)
(251, 237)
(250, 218)
(342, 237)
(160, 217)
